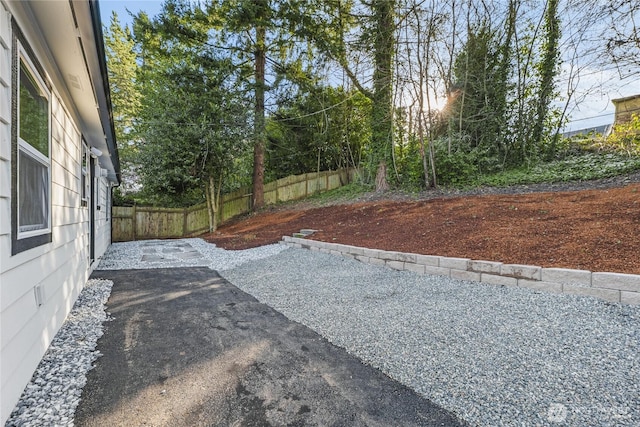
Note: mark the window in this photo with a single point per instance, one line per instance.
(84, 174)
(31, 153)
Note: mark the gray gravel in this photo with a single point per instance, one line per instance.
(179, 253)
(492, 355)
(54, 392)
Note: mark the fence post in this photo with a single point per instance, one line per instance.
(134, 225)
(220, 210)
(184, 222)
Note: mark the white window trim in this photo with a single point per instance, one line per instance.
(31, 151)
(84, 173)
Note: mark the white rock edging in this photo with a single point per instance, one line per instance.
(613, 287)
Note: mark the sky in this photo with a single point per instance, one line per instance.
(152, 7)
(594, 110)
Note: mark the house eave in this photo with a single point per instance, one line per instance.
(625, 99)
(69, 36)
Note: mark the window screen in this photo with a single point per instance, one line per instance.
(33, 208)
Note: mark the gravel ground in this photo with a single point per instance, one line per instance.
(492, 355)
(130, 255)
(54, 392)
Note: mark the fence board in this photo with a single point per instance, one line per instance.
(134, 223)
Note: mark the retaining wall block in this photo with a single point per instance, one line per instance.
(521, 271)
(347, 255)
(406, 257)
(465, 275)
(372, 253)
(485, 266)
(396, 265)
(612, 295)
(565, 275)
(416, 268)
(286, 238)
(498, 280)
(324, 245)
(397, 256)
(431, 260)
(437, 271)
(340, 248)
(622, 282)
(455, 263)
(363, 258)
(631, 298)
(334, 252)
(387, 255)
(354, 250)
(312, 243)
(555, 288)
(376, 261)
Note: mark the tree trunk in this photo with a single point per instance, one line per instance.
(549, 69)
(260, 127)
(210, 210)
(381, 178)
(382, 111)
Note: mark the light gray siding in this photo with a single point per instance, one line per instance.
(60, 268)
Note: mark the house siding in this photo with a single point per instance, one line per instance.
(625, 108)
(60, 268)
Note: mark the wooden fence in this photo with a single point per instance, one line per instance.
(138, 223)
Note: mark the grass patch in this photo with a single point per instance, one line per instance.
(582, 167)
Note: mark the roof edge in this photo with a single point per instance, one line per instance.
(626, 98)
(96, 22)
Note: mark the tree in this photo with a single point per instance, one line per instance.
(330, 30)
(253, 16)
(125, 97)
(324, 128)
(548, 69)
(381, 98)
(261, 32)
(622, 35)
(193, 121)
(479, 109)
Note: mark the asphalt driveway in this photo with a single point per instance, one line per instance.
(187, 348)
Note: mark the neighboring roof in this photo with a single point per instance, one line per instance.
(72, 36)
(602, 129)
(626, 98)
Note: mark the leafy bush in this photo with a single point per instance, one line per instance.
(457, 167)
(582, 167)
(626, 137)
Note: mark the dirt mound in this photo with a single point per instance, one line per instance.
(596, 230)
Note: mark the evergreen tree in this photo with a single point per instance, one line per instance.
(193, 120)
(125, 97)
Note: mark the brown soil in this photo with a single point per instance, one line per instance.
(597, 230)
